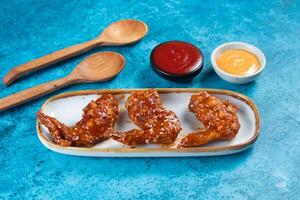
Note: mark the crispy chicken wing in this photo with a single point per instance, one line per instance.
(98, 117)
(157, 124)
(218, 117)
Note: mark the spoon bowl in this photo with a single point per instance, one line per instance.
(99, 67)
(124, 32)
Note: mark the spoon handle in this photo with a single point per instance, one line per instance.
(49, 59)
(34, 92)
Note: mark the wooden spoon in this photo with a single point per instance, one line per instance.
(95, 68)
(119, 33)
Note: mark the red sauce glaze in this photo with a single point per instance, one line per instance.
(176, 57)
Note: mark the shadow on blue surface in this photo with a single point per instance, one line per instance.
(156, 166)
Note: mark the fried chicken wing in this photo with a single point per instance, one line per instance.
(157, 125)
(98, 117)
(218, 117)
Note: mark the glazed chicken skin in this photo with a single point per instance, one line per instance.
(157, 125)
(98, 118)
(218, 117)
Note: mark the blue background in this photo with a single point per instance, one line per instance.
(269, 170)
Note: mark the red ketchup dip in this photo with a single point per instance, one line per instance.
(177, 59)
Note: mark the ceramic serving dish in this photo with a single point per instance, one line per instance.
(67, 108)
(236, 78)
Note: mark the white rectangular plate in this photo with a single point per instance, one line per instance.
(67, 108)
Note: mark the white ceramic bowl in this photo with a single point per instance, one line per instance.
(237, 78)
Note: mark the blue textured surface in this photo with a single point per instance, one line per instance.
(269, 170)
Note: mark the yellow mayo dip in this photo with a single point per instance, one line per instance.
(238, 62)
